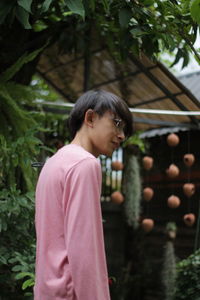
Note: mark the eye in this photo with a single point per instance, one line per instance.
(117, 122)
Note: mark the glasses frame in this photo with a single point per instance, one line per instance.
(119, 124)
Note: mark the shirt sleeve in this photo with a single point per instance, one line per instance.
(84, 232)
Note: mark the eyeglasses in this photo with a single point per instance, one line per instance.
(119, 124)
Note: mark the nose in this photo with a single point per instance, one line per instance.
(121, 136)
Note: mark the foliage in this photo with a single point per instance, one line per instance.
(18, 129)
(24, 59)
(195, 9)
(22, 135)
(17, 236)
(19, 147)
(188, 274)
(124, 27)
(136, 141)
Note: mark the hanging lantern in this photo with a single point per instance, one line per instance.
(189, 189)
(147, 162)
(117, 165)
(148, 193)
(189, 219)
(172, 140)
(117, 197)
(173, 201)
(188, 159)
(147, 224)
(172, 171)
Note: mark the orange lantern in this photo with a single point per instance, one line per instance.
(173, 201)
(189, 189)
(172, 140)
(147, 162)
(117, 165)
(117, 197)
(148, 193)
(188, 159)
(189, 219)
(147, 224)
(172, 171)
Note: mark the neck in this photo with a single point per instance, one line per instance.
(84, 142)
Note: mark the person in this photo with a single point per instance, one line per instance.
(70, 254)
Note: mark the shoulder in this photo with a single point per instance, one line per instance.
(74, 151)
(88, 164)
(87, 168)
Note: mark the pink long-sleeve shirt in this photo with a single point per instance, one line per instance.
(70, 256)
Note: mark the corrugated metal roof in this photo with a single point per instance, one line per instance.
(192, 82)
(162, 131)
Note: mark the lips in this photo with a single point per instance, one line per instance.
(116, 144)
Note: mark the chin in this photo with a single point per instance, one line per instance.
(107, 153)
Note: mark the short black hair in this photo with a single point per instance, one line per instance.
(100, 101)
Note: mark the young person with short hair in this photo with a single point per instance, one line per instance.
(70, 257)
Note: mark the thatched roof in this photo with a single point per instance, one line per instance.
(140, 82)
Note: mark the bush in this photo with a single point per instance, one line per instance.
(188, 278)
(17, 250)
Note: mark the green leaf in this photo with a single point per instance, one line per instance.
(149, 2)
(47, 149)
(23, 17)
(124, 17)
(10, 72)
(186, 59)
(76, 6)
(197, 59)
(17, 268)
(24, 274)
(3, 260)
(137, 32)
(27, 283)
(45, 6)
(195, 11)
(179, 55)
(39, 25)
(106, 5)
(26, 4)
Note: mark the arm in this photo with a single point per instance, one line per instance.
(84, 233)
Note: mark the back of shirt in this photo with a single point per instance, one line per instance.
(70, 258)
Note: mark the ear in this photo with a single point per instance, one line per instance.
(90, 116)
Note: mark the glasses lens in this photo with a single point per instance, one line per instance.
(119, 124)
